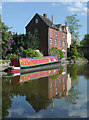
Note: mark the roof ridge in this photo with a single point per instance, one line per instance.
(48, 22)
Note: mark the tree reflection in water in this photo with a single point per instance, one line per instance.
(40, 92)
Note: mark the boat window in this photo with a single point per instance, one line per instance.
(31, 61)
(49, 72)
(54, 59)
(49, 60)
(45, 60)
(39, 60)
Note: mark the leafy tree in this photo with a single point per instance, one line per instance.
(18, 45)
(31, 53)
(73, 51)
(85, 41)
(54, 51)
(7, 39)
(31, 41)
(73, 26)
(23, 42)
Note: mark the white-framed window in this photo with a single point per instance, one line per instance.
(36, 20)
(63, 79)
(60, 43)
(63, 87)
(56, 42)
(56, 91)
(60, 29)
(63, 35)
(63, 43)
(59, 80)
(55, 82)
(51, 84)
(56, 33)
(36, 31)
(51, 41)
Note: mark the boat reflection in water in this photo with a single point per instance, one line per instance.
(44, 86)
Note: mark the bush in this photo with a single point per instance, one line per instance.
(11, 56)
(81, 54)
(54, 51)
(32, 53)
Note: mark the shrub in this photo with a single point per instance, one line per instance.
(81, 54)
(32, 53)
(11, 56)
(54, 51)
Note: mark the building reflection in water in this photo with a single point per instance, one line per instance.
(42, 87)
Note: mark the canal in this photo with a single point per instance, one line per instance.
(55, 93)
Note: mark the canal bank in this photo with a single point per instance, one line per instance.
(5, 64)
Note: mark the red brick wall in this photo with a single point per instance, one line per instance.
(59, 86)
(59, 37)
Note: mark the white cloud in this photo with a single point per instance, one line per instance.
(53, 4)
(73, 9)
(78, 7)
(0, 6)
(83, 13)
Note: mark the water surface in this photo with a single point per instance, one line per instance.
(55, 93)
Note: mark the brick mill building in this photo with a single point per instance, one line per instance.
(49, 35)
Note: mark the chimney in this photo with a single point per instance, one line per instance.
(52, 19)
(45, 15)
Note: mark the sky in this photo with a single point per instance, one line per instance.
(17, 14)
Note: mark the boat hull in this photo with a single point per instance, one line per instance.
(29, 64)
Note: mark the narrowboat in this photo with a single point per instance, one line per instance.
(34, 75)
(17, 65)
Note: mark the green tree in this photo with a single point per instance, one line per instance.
(31, 41)
(73, 51)
(73, 25)
(18, 45)
(23, 42)
(0, 38)
(31, 53)
(54, 51)
(6, 38)
(85, 41)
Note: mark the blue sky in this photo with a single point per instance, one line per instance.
(18, 14)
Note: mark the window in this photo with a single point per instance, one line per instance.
(63, 87)
(56, 91)
(63, 35)
(55, 82)
(60, 29)
(36, 20)
(51, 85)
(51, 41)
(63, 43)
(56, 33)
(56, 42)
(63, 79)
(59, 80)
(36, 31)
(49, 60)
(60, 43)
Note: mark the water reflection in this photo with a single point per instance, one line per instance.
(41, 88)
